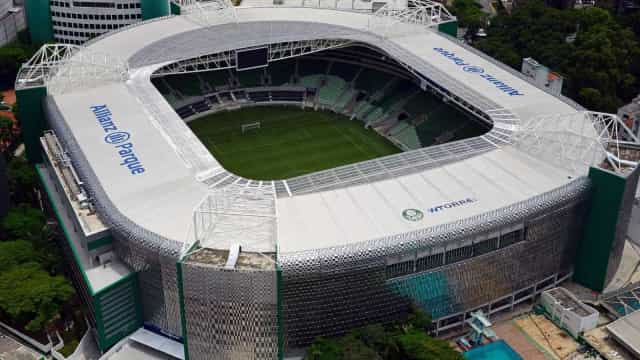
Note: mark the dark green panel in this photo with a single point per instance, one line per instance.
(592, 261)
(92, 245)
(39, 21)
(32, 120)
(183, 318)
(118, 311)
(152, 9)
(450, 28)
(175, 9)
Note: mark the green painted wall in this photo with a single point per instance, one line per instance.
(154, 8)
(183, 319)
(92, 245)
(175, 9)
(39, 21)
(118, 311)
(32, 120)
(450, 28)
(592, 261)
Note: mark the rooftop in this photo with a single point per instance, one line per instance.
(329, 208)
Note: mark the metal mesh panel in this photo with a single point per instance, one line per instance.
(329, 300)
(327, 292)
(230, 314)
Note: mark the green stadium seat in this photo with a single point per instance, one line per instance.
(216, 78)
(311, 81)
(186, 84)
(374, 116)
(343, 70)
(371, 80)
(344, 99)
(409, 137)
(281, 71)
(250, 78)
(398, 128)
(165, 90)
(331, 90)
(421, 104)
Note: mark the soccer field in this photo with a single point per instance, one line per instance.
(289, 142)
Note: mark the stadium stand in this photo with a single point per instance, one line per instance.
(215, 79)
(393, 106)
(185, 84)
(311, 81)
(311, 66)
(250, 78)
(370, 80)
(345, 99)
(331, 90)
(280, 72)
(345, 71)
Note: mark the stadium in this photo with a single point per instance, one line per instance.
(241, 180)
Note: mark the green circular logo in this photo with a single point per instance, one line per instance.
(412, 214)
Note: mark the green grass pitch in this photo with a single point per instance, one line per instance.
(290, 141)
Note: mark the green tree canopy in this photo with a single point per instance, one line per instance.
(23, 222)
(23, 181)
(601, 66)
(16, 252)
(417, 345)
(469, 14)
(37, 299)
(406, 340)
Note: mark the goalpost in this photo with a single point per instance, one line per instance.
(250, 126)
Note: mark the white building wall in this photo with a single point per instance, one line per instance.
(566, 317)
(76, 21)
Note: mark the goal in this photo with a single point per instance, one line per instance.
(250, 126)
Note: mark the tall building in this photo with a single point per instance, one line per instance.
(75, 22)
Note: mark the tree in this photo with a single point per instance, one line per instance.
(17, 252)
(23, 222)
(325, 349)
(404, 340)
(39, 297)
(417, 345)
(601, 66)
(13, 55)
(6, 132)
(23, 181)
(470, 15)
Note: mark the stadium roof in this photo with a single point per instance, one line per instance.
(325, 209)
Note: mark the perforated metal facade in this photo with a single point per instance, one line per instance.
(230, 313)
(329, 292)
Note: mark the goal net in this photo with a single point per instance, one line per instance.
(250, 126)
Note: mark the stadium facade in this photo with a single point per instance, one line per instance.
(159, 235)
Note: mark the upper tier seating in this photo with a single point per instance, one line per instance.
(311, 67)
(281, 71)
(345, 71)
(331, 90)
(216, 78)
(250, 78)
(371, 80)
(186, 84)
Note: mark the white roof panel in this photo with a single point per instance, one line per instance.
(162, 199)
